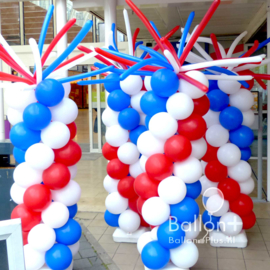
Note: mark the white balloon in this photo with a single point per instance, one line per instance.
(189, 170)
(163, 126)
(142, 161)
(25, 176)
(110, 117)
(41, 237)
(129, 221)
(74, 248)
(172, 190)
(149, 145)
(155, 211)
(66, 111)
(180, 106)
(185, 256)
(231, 224)
(243, 100)
(247, 186)
(190, 89)
(248, 118)
(128, 153)
(135, 101)
(17, 98)
(73, 171)
(217, 135)
(115, 203)
(208, 186)
(217, 206)
(135, 169)
(14, 116)
(110, 184)
(68, 195)
(229, 154)
(116, 135)
(192, 230)
(67, 88)
(143, 240)
(147, 83)
(154, 233)
(199, 148)
(39, 156)
(132, 85)
(142, 119)
(16, 193)
(33, 259)
(55, 215)
(240, 172)
(229, 86)
(56, 135)
(211, 118)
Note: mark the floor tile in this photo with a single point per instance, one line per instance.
(128, 259)
(110, 230)
(257, 265)
(231, 264)
(265, 229)
(256, 255)
(125, 267)
(86, 215)
(229, 253)
(110, 248)
(255, 244)
(82, 263)
(208, 263)
(254, 236)
(266, 236)
(96, 230)
(106, 238)
(267, 243)
(98, 223)
(263, 221)
(127, 249)
(207, 252)
(87, 253)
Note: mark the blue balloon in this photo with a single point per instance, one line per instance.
(129, 118)
(218, 100)
(113, 85)
(212, 85)
(59, 257)
(242, 137)
(231, 118)
(164, 82)
(37, 116)
(69, 234)
(209, 221)
(151, 103)
(118, 100)
(22, 137)
(136, 132)
(50, 92)
(111, 219)
(154, 256)
(73, 209)
(19, 155)
(245, 153)
(185, 211)
(170, 234)
(194, 190)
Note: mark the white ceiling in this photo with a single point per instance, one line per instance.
(231, 18)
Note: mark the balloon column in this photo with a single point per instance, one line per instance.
(43, 130)
(163, 117)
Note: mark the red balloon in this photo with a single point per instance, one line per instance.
(201, 105)
(215, 171)
(72, 129)
(143, 222)
(159, 167)
(117, 169)
(28, 217)
(211, 153)
(146, 187)
(109, 152)
(56, 176)
(230, 189)
(177, 148)
(194, 127)
(140, 203)
(37, 197)
(242, 206)
(132, 203)
(125, 187)
(69, 155)
(25, 237)
(248, 220)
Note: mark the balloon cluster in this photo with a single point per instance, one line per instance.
(225, 163)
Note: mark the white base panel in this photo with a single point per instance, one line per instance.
(123, 237)
(218, 239)
(169, 266)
